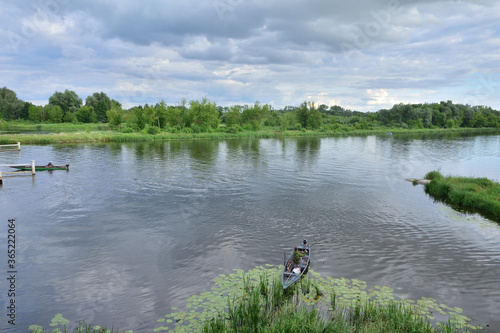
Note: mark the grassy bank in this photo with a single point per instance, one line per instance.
(69, 133)
(477, 194)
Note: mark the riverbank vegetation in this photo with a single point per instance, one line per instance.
(477, 194)
(255, 302)
(65, 113)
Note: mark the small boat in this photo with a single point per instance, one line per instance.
(296, 265)
(41, 167)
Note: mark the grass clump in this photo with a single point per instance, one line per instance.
(433, 175)
(481, 195)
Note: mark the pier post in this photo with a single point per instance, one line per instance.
(1, 178)
(19, 146)
(32, 167)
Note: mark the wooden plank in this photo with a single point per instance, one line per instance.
(9, 165)
(15, 172)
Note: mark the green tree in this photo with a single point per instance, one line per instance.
(273, 119)
(161, 110)
(203, 114)
(302, 113)
(68, 100)
(115, 117)
(469, 118)
(142, 116)
(255, 114)
(24, 114)
(174, 116)
(86, 114)
(450, 123)
(36, 113)
(309, 116)
(314, 119)
(101, 103)
(69, 117)
(233, 116)
(287, 120)
(481, 120)
(10, 106)
(55, 113)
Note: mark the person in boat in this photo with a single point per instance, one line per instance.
(50, 165)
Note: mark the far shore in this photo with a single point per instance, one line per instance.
(77, 133)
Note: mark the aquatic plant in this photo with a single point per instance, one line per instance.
(60, 324)
(240, 302)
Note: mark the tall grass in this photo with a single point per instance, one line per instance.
(478, 194)
(266, 308)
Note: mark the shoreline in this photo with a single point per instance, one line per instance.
(99, 133)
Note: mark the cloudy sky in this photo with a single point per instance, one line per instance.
(361, 54)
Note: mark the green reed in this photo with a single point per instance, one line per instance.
(256, 311)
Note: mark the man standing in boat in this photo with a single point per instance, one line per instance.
(50, 165)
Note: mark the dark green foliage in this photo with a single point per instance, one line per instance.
(309, 116)
(433, 175)
(153, 130)
(204, 116)
(24, 114)
(101, 104)
(68, 100)
(444, 114)
(10, 106)
(86, 114)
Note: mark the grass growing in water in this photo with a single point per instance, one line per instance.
(479, 194)
(255, 302)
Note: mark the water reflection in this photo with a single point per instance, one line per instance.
(135, 228)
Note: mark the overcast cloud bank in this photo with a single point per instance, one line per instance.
(364, 55)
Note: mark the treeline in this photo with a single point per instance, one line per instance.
(206, 116)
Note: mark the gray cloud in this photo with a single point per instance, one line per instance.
(364, 55)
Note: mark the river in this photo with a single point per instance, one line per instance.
(133, 229)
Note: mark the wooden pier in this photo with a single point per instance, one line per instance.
(18, 145)
(32, 172)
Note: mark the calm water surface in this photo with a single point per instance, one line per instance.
(134, 229)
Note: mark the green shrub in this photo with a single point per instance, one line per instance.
(153, 130)
(433, 175)
(127, 130)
